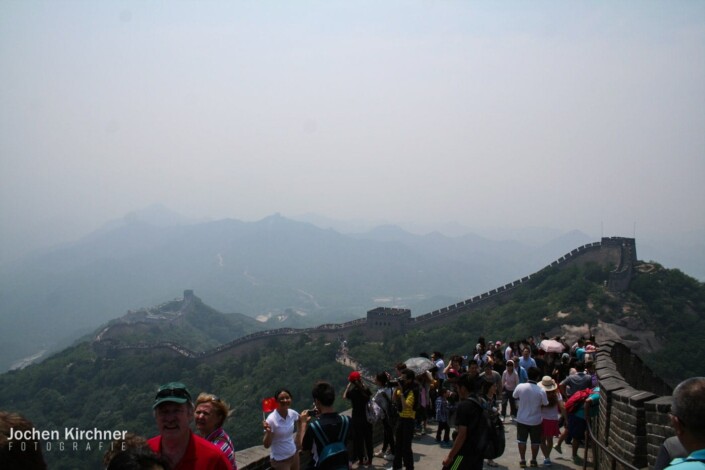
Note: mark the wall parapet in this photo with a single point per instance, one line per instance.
(604, 250)
(634, 405)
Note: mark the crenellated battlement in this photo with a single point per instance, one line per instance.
(616, 251)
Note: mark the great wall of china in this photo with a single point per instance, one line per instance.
(616, 251)
(633, 420)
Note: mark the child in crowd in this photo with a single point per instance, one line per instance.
(442, 413)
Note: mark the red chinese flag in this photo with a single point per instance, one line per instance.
(269, 405)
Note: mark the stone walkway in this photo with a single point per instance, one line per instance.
(428, 455)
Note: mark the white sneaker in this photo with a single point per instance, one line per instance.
(379, 453)
(389, 457)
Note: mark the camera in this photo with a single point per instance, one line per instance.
(313, 412)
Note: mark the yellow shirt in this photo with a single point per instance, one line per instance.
(407, 407)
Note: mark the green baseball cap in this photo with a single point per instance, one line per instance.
(175, 392)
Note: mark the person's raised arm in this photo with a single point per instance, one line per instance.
(267, 440)
(304, 418)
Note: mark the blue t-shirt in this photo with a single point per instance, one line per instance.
(695, 461)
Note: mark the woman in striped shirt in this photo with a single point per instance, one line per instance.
(211, 412)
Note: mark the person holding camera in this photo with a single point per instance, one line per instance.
(323, 431)
(406, 397)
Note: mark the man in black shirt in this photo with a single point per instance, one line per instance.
(464, 455)
(330, 423)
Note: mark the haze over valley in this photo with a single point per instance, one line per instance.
(280, 271)
(417, 153)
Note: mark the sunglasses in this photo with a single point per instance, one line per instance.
(173, 392)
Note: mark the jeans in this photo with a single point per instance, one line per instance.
(508, 397)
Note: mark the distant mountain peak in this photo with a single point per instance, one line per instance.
(158, 215)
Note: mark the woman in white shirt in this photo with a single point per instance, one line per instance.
(280, 433)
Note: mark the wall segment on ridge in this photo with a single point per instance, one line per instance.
(610, 251)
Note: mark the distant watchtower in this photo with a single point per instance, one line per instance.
(620, 278)
(383, 319)
(188, 295)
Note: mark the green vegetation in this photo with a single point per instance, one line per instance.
(675, 308)
(666, 301)
(199, 328)
(78, 388)
(531, 310)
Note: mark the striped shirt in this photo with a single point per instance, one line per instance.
(221, 440)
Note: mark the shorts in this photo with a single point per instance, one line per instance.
(525, 431)
(576, 427)
(549, 428)
(292, 463)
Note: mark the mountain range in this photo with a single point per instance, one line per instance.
(281, 271)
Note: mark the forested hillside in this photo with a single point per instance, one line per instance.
(661, 301)
(78, 388)
(284, 272)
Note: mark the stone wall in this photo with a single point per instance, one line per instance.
(634, 406)
(617, 251)
(621, 277)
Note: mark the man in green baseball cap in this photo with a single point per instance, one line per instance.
(173, 411)
(174, 392)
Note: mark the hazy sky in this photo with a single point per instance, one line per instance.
(574, 115)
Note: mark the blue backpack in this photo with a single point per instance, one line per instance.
(331, 450)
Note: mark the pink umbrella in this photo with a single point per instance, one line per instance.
(551, 345)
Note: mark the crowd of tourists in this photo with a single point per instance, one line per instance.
(533, 385)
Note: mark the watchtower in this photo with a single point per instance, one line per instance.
(383, 319)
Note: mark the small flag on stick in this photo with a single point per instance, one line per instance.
(269, 405)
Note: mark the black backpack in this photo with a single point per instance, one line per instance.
(332, 450)
(492, 440)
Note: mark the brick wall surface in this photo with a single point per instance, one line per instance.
(634, 406)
